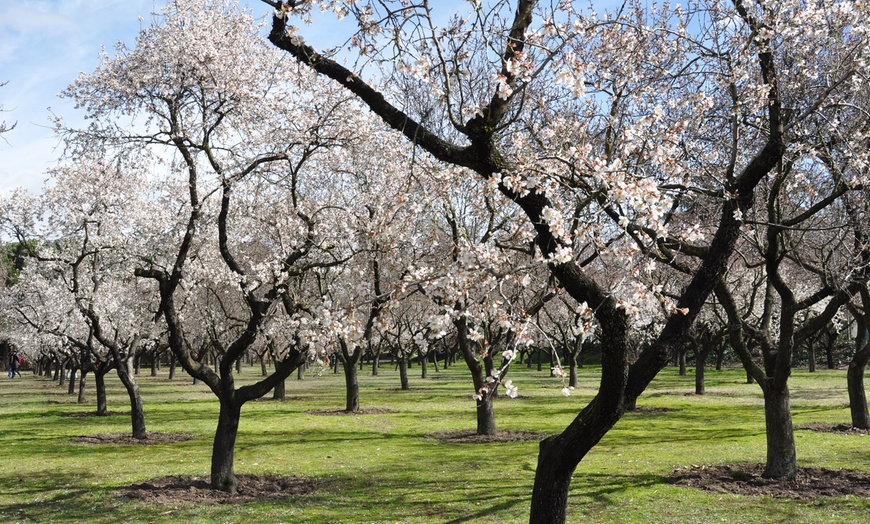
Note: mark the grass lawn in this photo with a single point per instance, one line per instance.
(386, 467)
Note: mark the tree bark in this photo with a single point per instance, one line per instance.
(781, 454)
(351, 384)
(100, 385)
(223, 449)
(485, 416)
(82, 381)
(403, 373)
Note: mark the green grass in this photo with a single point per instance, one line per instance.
(382, 468)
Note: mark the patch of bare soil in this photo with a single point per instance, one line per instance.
(825, 427)
(745, 479)
(466, 436)
(126, 438)
(371, 411)
(189, 489)
(644, 409)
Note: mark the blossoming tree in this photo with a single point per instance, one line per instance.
(622, 120)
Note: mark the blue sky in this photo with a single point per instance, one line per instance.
(44, 45)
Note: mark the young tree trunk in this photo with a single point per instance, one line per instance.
(263, 370)
(137, 414)
(681, 361)
(172, 363)
(811, 356)
(300, 372)
(424, 367)
(781, 454)
(375, 365)
(223, 450)
(154, 365)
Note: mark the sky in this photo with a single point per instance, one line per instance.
(44, 45)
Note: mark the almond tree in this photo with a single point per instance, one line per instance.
(220, 122)
(623, 119)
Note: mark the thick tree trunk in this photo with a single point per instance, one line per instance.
(223, 450)
(351, 384)
(154, 365)
(857, 393)
(280, 391)
(781, 454)
(485, 417)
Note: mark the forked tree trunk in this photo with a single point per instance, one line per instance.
(223, 449)
(781, 454)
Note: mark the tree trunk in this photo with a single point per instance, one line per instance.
(279, 393)
(376, 365)
(485, 416)
(82, 381)
(700, 369)
(811, 356)
(403, 373)
(781, 454)
(855, 383)
(223, 450)
(572, 369)
(681, 361)
(172, 363)
(351, 383)
(263, 371)
(154, 365)
(424, 366)
(100, 385)
(73, 374)
(300, 372)
(137, 414)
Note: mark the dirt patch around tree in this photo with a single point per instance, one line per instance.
(189, 489)
(826, 427)
(126, 438)
(371, 411)
(745, 479)
(460, 436)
